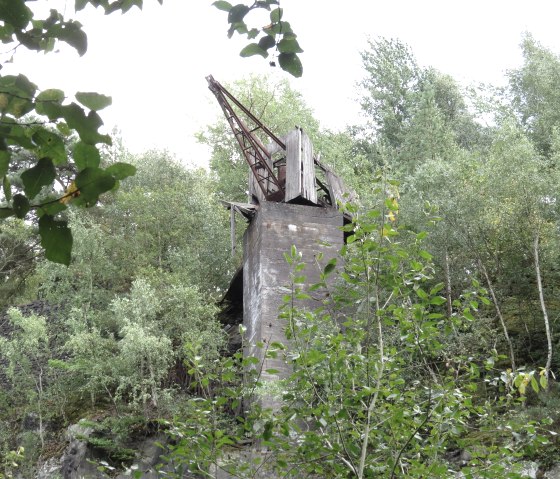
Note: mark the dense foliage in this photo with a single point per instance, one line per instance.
(437, 338)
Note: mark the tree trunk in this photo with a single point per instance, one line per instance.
(448, 286)
(543, 306)
(499, 313)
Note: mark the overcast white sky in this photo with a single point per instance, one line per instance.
(153, 63)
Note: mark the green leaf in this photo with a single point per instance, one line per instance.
(86, 156)
(42, 174)
(20, 205)
(120, 171)
(278, 28)
(15, 12)
(290, 63)
(253, 49)
(18, 135)
(276, 15)
(92, 182)
(237, 13)
(543, 381)
(85, 125)
(16, 95)
(289, 46)
(438, 300)
(50, 145)
(93, 101)
(253, 33)
(330, 267)
(436, 289)
(264, 4)
(71, 32)
(7, 188)
(51, 208)
(222, 5)
(4, 162)
(266, 42)
(534, 384)
(421, 293)
(26, 87)
(56, 239)
(80, 4)
(267, 433)
(48, 103)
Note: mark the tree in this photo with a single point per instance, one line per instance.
(174, 240)
(40, 124)
(17, 254)
(26, 353)
(415, 113)
(534, 93)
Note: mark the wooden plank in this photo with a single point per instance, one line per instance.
(300, 167)
(274, 147)
(308, 188)
(232, 228)
(339, 191)
(246, 209)
(293, 165)
(255, 189)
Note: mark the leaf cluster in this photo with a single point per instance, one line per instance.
(38, 124)
(278, 34)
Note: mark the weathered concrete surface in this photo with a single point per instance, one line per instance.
(553, 473)
(266, 274)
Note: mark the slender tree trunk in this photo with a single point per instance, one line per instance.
(373, 401)
(39, 386)
(499, 313)
(380, 366)
(448, 285)
(543, 306)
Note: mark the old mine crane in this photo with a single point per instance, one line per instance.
(293, 200)
(284, 170)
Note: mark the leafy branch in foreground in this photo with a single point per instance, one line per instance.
(56, 135)
(278, 34)
(61, 136)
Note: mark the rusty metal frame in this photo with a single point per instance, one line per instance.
(253, 150)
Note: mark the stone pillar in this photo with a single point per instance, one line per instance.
(266, 274)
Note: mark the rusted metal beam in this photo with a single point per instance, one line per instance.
(255, 153)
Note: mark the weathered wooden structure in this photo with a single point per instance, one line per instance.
(292, 201)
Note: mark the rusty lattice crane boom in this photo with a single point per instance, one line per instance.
(286, 169)
(256, 154)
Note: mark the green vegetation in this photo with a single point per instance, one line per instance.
(439, 333)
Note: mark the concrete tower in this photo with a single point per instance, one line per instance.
(293, 202)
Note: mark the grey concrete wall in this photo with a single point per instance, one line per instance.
(266, 274)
